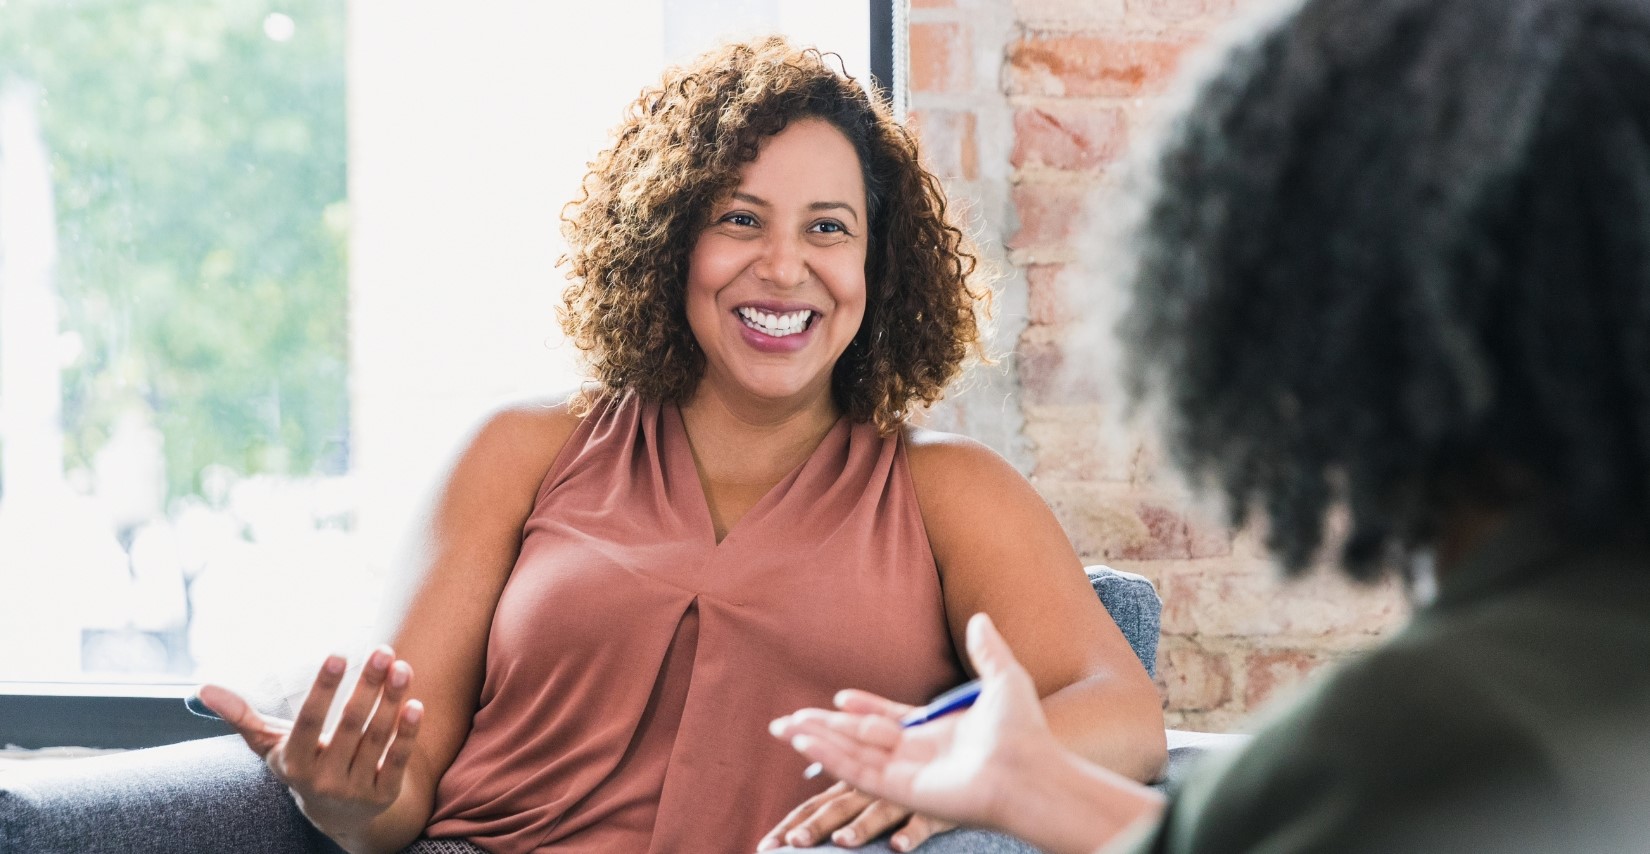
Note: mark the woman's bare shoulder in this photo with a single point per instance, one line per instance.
(964, 487)
(951, 459)
(523, 437)
(544, 419)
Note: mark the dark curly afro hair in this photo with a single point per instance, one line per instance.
(647, 199)
(1397, 259)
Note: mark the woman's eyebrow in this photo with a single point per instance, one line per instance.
(828, 206)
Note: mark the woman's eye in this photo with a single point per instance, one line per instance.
(740, 219)
(830, 227)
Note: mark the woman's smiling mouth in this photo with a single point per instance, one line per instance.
(776, 325)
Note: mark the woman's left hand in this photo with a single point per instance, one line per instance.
(850, 818)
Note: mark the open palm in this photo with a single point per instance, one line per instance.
(344, 779)
(952, 767)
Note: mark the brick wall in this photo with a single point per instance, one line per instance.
(1026, 107)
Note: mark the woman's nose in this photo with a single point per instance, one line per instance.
(784, 262)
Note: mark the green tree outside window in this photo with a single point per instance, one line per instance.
(198, 164)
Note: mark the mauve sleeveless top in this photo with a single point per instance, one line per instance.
(634, 663)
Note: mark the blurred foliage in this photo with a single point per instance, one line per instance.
(198, 166)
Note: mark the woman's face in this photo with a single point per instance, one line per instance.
(776, 282)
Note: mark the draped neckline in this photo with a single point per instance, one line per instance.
(677, 450)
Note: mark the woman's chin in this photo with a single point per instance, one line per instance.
(781, 391)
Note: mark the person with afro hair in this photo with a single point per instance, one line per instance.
(1392, 266)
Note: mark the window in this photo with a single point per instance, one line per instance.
(261, 264)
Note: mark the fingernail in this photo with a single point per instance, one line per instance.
(901, 842)
(845, 837)
(399, 674)
(415, 710)
(840, 699)
(776, 726)
(380, 659)
(335, 664)
(798, 838)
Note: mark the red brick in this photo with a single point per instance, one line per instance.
(1068, 137)
(940, 57)
(1090, 66)
(1178, 10)
(1194, 679)
(1091, 516)
(1045, 307)
(1110, 523)
(1082, 443)
(1214, 720)
(949, 142)
(1070, 16)
(1270, 671)
(1046, 377)
(1172, 534)
(1049, 214)
(1251, 600)
(1070, 444)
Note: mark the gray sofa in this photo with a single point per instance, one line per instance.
(213, 795)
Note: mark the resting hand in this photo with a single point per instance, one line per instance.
(345, 779)
(958, 767)
(850, 817)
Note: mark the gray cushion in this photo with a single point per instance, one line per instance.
(1134, 606)
(205, 795)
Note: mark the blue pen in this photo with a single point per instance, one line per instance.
(954, 700)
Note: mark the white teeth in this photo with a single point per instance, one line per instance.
(776, 325)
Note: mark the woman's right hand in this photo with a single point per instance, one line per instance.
(344, 779)
(996, 764)
(957, 767)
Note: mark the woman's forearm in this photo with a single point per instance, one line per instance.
(1111, 722)
(1064, 804)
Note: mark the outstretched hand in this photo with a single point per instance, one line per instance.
(958, 767)
(344, 779)
(850, 818)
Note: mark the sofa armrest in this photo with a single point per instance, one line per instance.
(1187, 748)
(207, 795)
(1134, 606)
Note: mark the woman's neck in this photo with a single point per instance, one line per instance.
(741, 442)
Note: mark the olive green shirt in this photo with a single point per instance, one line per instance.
(1511, 714)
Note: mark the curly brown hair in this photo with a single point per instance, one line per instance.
(647, 198)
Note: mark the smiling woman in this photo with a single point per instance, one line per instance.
(618, 588)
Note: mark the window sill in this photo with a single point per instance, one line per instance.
(35, 715)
